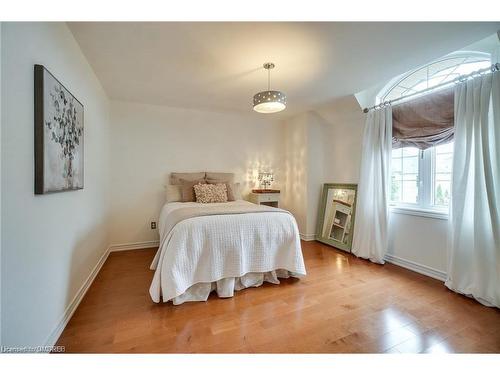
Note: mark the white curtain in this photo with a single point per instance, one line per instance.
(372, 215)
(474, 241)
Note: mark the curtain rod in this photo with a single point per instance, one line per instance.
(491, 69)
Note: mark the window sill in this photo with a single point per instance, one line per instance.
(434, 214)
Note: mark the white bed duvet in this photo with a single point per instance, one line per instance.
(223, 252)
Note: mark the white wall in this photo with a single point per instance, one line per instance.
(420, 240)
(50, 243)
(315, 170)
(150, 141)
(323, 146)
(344, 124)
(294, 193)
(335, 149)
(304, 162)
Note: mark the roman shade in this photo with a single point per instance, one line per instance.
(424, 122)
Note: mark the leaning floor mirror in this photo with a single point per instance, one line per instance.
(336, 215)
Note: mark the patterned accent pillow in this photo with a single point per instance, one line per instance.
(229, 187)
(210, 193)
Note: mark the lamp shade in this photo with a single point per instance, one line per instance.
(269, 101)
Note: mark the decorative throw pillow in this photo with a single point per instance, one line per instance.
(229, 187)
(210, 193)
(187, 191)
(173, 193)
(237, 191)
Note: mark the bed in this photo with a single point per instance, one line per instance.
(222, 247)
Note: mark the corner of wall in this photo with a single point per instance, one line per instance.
(322, 146)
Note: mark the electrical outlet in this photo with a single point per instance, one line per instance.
(153, 225)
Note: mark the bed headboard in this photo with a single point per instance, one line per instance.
(175, 177)
(220, 176)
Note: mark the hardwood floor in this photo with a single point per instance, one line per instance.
(344, 305)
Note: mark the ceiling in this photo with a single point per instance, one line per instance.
(218, 65)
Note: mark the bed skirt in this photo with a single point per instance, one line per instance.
(225, 287)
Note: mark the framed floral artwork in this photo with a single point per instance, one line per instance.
(58, 136)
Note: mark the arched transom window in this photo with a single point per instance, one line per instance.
(436, 73)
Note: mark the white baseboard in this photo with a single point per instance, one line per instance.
(416, 267)
(134, 246)
(307, 237)
(70, 310)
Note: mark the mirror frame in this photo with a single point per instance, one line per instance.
(321, 216)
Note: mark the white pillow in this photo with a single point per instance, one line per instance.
(173, 193)
(237, 191)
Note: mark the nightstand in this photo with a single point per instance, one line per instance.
(267, 197)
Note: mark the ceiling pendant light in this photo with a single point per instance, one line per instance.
(269, 101)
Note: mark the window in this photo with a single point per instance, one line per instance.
(405, 175)
(433, 74)
(421, 180)
(442, 158)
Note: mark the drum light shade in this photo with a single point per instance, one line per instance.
(269, 101)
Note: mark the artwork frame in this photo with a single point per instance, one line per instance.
(330, 231)
(58, 135)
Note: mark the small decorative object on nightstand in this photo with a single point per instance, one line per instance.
(265, 180)
(264, 195)
(268, 197)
